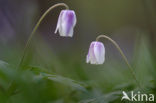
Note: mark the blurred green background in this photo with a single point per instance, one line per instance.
(55, 69)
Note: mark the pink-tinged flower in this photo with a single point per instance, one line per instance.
(66, 23)
(96, 53)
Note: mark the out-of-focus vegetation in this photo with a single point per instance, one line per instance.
(54, 70)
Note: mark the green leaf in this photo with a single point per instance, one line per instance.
(35, 69)
(106, 98)
(3, 66)
(6, 70)
(65, 81)
(6, 73)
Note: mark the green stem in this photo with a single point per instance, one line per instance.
(11, 87)
(122, 54)
(36, 27)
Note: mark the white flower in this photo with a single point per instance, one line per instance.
(66, 23)
(96, 53)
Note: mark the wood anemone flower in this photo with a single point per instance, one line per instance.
(66, 23)
(96, 53)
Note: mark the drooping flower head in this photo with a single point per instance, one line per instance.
(96, 53)
(66, 23)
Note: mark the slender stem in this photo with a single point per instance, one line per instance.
(122, 54)
(36, 27)
(11, 87)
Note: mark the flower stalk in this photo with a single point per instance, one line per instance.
(11, 87)
(122, 54)
(36, 27)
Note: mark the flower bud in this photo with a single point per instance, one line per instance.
(96, 53)
(66, 23)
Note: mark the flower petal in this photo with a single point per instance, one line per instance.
(59, 21)
(99, 51)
